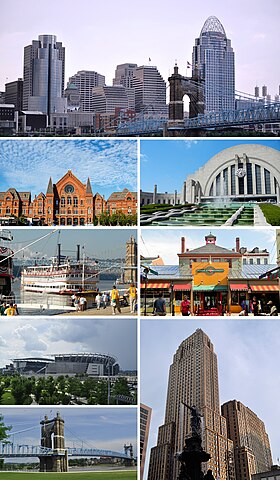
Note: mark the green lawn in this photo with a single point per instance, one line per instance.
(271, 213)
(126, 475)
(7, 399)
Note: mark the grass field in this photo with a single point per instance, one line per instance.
(127, 475)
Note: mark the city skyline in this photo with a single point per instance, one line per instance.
(106, 428)
(240, 347)
(260, 38)
(111, 165)
(187, 156)
(39, 337)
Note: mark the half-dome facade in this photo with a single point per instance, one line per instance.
(243, 172)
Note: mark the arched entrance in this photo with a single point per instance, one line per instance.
(180, 86)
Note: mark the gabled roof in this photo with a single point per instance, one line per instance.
(211, 249)
(121, 195)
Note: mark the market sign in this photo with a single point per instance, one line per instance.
(210, 270)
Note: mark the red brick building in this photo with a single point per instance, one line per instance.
(67, 202)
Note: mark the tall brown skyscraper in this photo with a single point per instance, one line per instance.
(250, 440)
(193, 379)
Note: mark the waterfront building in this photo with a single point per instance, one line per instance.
(66, 202)
(241, 173)
(252, 452)
(213, 62)
(85, 81)
(145, 420)
(150, 91)
(215, 280)
(43, 75)
(193, 379)
(14, 92)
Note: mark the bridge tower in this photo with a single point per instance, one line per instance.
(129, 462)
(130, 271)
(180, 86)
(52, 436)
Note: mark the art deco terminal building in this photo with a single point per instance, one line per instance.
(243, 173)
(193, 379)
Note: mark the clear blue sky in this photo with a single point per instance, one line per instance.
(167, 162)
(98, 243)
(108, 428)
(111, 165)
(100, 35)
(248, 354)
(48, 335)
(167, 242)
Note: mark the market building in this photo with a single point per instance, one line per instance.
(66, 202)
(215, 279)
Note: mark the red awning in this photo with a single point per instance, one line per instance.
(182, 286)
(240, 287)
(156, 285)
(264, 288)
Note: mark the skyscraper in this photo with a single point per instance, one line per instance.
(213, 62)
(145, 420)
(150, 90)
(193, 379)
(252, 452)
(85, 81)
(124, 77)
(43, 75)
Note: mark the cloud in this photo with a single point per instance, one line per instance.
(30, 337)
(190, 143)
(3, 342)
(108, 163)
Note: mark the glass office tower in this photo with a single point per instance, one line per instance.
(213, 62)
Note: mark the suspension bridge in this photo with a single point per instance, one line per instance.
(256, 115)
(53, 454)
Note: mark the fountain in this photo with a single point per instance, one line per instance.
(193, 454)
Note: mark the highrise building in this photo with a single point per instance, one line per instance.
(13, 93)
(193, 379)
(213, 62)
(85, 81)
(145, 420)
(150, 90)
(124, 77)
(107, 99)
(43, 75)
(252, 452)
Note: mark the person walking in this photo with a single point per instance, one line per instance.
(115, 300)
(98, 301)
(185, 306)
(273, 309)
(159, 305)
(104, 299)
(10, 311)
(132, 292)
(83, 303)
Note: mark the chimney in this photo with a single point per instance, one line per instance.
(78, 253)
(237, 244)
(59, 253)
(183, 245)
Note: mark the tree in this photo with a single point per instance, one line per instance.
(4, 429)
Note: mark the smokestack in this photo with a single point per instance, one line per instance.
(237, 244)
(59, 253)
(183, 244)
(78, 253)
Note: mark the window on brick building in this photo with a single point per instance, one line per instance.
(75, 201)
(89, 211)
(82, 202)
(8, 210)
(8, 199)
(69, 201)
(63, 201)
